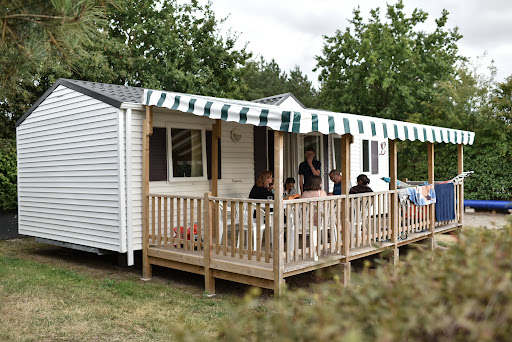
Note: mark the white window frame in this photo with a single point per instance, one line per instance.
(170, 176)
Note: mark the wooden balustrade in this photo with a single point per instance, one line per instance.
(312, 227)
(370, 218)
(176, 221)
(242, 228)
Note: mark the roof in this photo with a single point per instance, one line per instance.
(276, 100)
(261, 113)
(112, 94)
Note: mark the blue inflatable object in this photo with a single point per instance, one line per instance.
(481, 204)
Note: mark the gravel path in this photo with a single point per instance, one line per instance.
(485, 220)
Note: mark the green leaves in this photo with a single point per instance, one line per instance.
(386, 69)
(8, 175)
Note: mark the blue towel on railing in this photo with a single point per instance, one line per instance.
(445, 207)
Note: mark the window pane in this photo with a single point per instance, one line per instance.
(187, 152)
(366, 156)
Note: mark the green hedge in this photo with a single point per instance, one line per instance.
(8, 179)
(464, 295)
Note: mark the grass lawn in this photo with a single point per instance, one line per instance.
(45, 296)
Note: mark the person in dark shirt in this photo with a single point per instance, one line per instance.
(260, 189)
(336, 178)
(308, 168)
(362, 185)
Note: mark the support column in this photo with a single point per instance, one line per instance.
(345, 213)
(460, 169)
(209, 280)
(393, 211)
(147, 131)
(216, 133)
(432, 208)
(278, 243)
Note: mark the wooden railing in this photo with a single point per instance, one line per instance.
(242, 228)
(312, 227)
(176, 220)
(370, 220)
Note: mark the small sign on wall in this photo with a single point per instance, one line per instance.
(237, 180)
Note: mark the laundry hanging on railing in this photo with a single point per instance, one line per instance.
(422, 195)
(445, 205)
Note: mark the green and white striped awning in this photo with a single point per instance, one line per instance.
(305, 121)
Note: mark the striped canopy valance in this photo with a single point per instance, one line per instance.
(304, 121)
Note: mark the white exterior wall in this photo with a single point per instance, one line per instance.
(237, 159)
(68, 171)
(356, 164)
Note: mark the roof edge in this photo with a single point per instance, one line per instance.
(73, 86)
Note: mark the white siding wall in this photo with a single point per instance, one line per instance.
(237, 163)
(356, 165)
(68, 176)
(136, 126)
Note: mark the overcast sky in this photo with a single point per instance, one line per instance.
(290, 31)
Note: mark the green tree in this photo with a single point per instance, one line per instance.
(263, 79)
(38, 34)
(164, 45)
(387, 68)
(154, 44)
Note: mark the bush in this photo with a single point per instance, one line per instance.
(8, 179)
(464, 295)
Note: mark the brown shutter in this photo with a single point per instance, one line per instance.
(209, 156)
(375, 157)
(158, 154)
(260, 151)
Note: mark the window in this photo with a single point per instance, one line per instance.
(370, 154)
(336, 148)
(189, 151)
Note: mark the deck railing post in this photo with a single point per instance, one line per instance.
(432, 207)
(147, 131)
(209, 280)
(278, 248)
(393, 211)
(345, 224)
(460, 200)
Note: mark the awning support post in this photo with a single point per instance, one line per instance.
(278, 238)
(147, 131)
(346, 139)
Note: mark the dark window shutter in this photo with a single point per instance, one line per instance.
(260, 150)
(158, 154)
(375, 157)
(325, 163)
(209, 155)
(366, 156)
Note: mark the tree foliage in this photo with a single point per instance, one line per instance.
(8, 175)
(38, 34)
(386, 68)
(263, 79)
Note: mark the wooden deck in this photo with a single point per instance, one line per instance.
(234, 239)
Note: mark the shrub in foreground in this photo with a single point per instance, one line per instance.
(465, 294)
